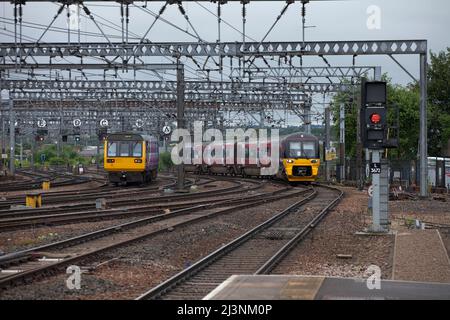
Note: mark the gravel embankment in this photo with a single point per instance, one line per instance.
(336, 235)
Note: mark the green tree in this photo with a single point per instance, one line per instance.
(407, 100)
(439, 102)
(350, 101)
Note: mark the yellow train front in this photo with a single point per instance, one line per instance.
(300, 157)
(131, 157)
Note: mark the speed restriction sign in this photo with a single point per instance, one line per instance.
(139, 123)
(76, 122)
(167, 130)
(41, 123)
(104, 123)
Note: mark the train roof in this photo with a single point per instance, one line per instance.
(299, 135)
(129, 136)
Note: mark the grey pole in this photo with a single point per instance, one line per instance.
(327, 142)
(59, 143)
(342, 141)
(423, 127)
(21, 152)
(33, 143)
(12, 140)
(376, 226)
(3, 141)
(307, 117)
(180, 119)
(359, 147)
(97, 161)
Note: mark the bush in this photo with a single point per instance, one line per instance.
(165, 161)
(56, 161)
(68, 154)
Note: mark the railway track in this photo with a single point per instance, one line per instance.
(256, 252)
(10, 220)
(28, 264)
(103, 191)
(57, 178)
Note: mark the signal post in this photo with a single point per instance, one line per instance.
(374, 128)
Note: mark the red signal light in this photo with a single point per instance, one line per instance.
(375, 118)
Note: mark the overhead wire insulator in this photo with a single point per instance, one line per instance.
(20, 12)
(180, 7)
(127, 19)
(86, 10)
(163, 8)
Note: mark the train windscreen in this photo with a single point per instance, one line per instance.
(302, 149)
(125, 149)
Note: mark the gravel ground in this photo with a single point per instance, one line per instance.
(8, 179)
(143, 265)
(403, 213)
(426, 210)
(420, 256)
(445, 235)
(335, 235)
(11, 241)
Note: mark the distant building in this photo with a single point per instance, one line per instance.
(89, 151)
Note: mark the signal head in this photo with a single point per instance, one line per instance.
(375, 118)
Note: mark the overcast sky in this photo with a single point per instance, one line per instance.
(333, 20)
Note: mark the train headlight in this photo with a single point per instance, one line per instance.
(290, 161)
(110, 161)
(137, 160)
(314, 161)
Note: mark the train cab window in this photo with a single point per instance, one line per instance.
(112, 149)
(308, 149)
(137, 149)
(295, 150)
(124, 149)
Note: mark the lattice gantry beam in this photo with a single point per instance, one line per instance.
(157, 96)
(144, 85)
(224, 49)
(308, 72)
(114, 106)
